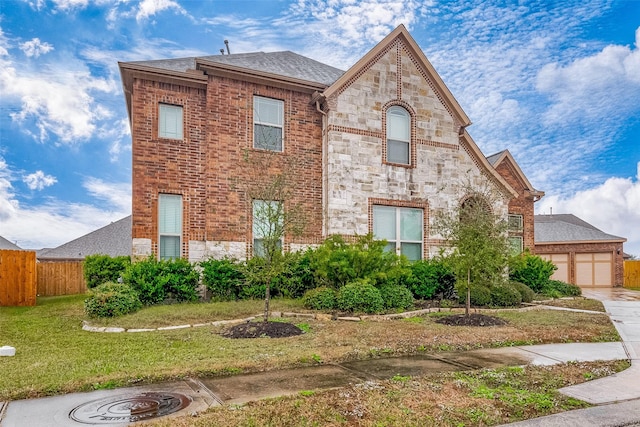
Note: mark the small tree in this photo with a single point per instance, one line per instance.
(480, 245)
(275, 214)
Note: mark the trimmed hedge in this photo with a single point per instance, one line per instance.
(480, 295)
(558, 289)
(396, 296)
(531, 270)
(157, 281)
(358, 296)
(431, 278)
(526, 293)
(505, 295)
(99, 269)
(223, 278)
(112, 300)
(322, 298)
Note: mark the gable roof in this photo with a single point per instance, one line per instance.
(568, 228)
(5, 244)
(113, 240)
(401, 33)
(505, 156)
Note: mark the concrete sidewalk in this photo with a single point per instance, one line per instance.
(618, 396)
(122, 406)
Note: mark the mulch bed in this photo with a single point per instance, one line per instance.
(262, 330)
(474, 319)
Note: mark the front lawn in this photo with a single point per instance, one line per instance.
(54, 355)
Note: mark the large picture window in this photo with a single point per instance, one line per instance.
(268, 123)
(398, 136)
(401, 227)
(170, 121)
(170, 225)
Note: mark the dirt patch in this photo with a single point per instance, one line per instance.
(262, 330)
(474, 319)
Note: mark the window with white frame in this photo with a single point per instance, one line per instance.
(170, 121)
(515, 222)
(398, 135)
(515, 244)
(170, 225)
(268, 219)
(268, 123)
(401, 227)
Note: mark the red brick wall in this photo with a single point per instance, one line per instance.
(215, 167)
(573, 248)
(522, 205)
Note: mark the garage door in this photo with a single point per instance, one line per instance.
(562, 262)
(594, 269)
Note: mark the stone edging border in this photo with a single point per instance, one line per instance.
(326, 317)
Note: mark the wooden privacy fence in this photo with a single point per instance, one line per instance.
(632, 274)
(61, 278)
(17, 278)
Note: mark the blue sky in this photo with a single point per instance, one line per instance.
(555, 82)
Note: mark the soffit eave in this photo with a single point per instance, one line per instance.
(581, 242)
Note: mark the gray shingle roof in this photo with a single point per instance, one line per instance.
(568, 228)
(285, 63)
(494, 157)
(113, 240)
(5, 244)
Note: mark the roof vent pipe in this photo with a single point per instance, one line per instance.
(221, 51)
(226, 43)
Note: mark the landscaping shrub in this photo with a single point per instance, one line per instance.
(526, 293)
(182, 280)
(505, 295)
(111, 300)
(336, 263)
(223, 278)
(156, 280)
(322, 298)
(431, 278)
(358, 296)
(480, 295)
(255, 283)
(559, 289)
(296, 276)
(396, 296)
(531, 270)
(99, 269)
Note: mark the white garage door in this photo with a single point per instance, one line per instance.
(594, 269)
(562, 262)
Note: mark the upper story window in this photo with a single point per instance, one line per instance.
(268, 123)
(268, 227)
(515, 222)
(169, 225)
(398, 136)
(170, 121)
(401, 228)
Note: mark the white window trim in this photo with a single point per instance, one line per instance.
(257, 121)
(521, 248)
(398, 241)
(388, 138)
(161, 233)
(519, 219)
(161, 119)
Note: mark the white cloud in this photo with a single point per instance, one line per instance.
(38, 180)
(149, 8)
(613, 207)
(35, 47)
(56, 222)
(593, 85)
(58, 98)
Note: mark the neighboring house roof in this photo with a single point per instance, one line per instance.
(5, 244)
(113, 240)
(567, 228)
(505, 156)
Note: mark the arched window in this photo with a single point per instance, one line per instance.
(398, 135)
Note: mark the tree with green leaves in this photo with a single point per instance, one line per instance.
(478, 240)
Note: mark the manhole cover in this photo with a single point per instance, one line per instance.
(129, 408)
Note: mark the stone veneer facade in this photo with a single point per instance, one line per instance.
(337, 148)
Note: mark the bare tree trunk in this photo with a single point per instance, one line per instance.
(468, 305)
(267, 293)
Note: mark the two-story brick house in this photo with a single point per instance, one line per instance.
(378, 148)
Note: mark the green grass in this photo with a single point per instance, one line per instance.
(54, 355)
